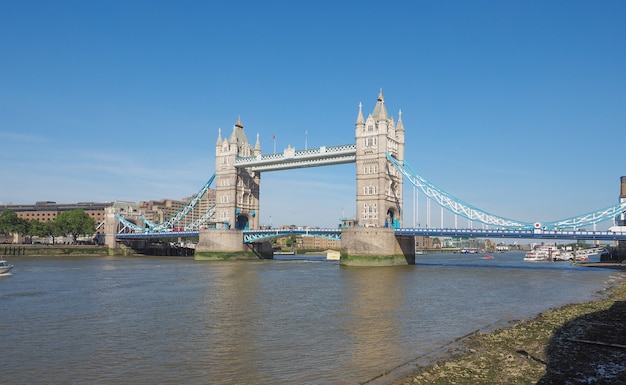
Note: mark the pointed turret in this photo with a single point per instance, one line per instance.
(239, 135)
(257, 146)
(400, 136)
(380, 112)
(400, 125)
(359, 118)
(219, 137)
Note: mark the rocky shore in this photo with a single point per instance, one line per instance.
(575, 344)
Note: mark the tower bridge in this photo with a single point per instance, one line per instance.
(379, 237)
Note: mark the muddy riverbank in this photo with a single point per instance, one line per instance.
(575, 344)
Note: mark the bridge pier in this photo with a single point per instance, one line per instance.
(219, 245)
(376, 246)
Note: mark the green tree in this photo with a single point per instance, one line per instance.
(8, 222)
(22, 226)
(75, 223)
(290, 241)
(44, 229)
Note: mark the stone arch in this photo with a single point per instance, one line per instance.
(242, 222)
(392, 218)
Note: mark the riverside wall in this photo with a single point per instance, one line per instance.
(61, 251)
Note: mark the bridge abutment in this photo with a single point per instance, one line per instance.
(376, 246)
(219, 245)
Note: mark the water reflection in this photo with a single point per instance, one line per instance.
(375, 297)
(231, 302)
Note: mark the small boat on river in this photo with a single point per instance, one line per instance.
(4, 266)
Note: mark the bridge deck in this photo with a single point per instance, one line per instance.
(250, 236)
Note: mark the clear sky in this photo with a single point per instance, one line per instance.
(517, 107)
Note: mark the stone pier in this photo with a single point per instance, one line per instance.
(376, 246)
(219, 245)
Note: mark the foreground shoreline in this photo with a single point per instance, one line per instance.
(576, 343)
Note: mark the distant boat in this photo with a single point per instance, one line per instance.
(4, 266)
(333, 255)
(284, 253)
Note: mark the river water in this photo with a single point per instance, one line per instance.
(298, 320)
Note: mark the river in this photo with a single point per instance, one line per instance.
(293, 320)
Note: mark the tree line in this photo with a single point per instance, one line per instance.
(72, 223)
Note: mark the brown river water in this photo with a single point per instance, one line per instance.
(293, 320)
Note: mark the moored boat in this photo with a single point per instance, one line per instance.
(4, 266)
(333, 255)
(543, 253)
(585, 254)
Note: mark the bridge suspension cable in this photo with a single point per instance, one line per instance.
(454, 204)
(182, 213)
(592, 218)
(202, 219)
(127, 224)
(470, 212)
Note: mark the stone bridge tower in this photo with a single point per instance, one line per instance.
(378, 183)
(236, 189)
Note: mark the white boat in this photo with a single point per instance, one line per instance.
(4, 266)
(543, 253)
(333, 255)
(584, 254)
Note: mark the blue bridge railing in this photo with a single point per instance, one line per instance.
(251, 236)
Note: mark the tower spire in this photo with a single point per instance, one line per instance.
(359, 118)
(380, 112)
(400, 125)
(219, 136)
(257, 146)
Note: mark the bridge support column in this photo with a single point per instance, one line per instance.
(219, 245)
(376, 246)
(110, 228)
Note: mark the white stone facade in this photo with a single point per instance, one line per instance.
(379, 184)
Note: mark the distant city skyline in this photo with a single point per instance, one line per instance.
(515, 108)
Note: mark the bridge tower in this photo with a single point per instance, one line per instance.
(378, 194)
(236, 189)
(378, 183)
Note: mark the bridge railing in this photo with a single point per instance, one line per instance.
(250, 236)
(257, 235)
(607, 235)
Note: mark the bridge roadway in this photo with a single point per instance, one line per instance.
(251, 236)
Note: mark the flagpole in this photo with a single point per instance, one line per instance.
(274, 139)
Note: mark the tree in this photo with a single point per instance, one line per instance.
(75, 223)
(44, 229)
(22, 226)
(8, 222)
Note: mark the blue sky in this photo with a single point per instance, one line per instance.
(517, 107)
